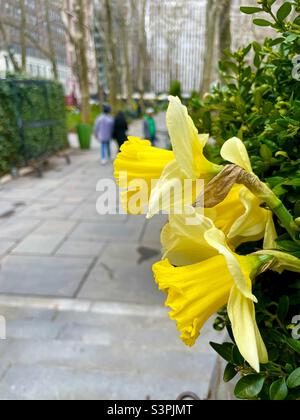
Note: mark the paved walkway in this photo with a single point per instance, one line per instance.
(84, 317)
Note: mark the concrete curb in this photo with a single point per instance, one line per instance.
(84, 306)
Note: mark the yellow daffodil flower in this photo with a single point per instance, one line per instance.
(138, 160)
(190, 162)
(239, 215)
(197, 291)
(203, 281)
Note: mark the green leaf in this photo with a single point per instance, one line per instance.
(284, 11)
(293, 182)
(277, 41)
(256, 46)
(250, 10)
(271, 2)
(274, 354)
(283, 307)
(288, 246)
(230, 373)
(294, 344)
(294, 379)
(249, 387)
(291, 37)
(237, 357)
(279, 190)
(265, 152)
(278, 390)
(224, 350)
(275, 181)
(297, 21)
(262, 22)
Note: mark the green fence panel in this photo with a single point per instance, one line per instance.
(32, 121)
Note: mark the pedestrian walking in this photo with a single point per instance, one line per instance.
(150, 126)
(103, 132)
(120, 128)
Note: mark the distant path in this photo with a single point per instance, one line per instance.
(84, 317)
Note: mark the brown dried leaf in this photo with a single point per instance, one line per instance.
(218, 189)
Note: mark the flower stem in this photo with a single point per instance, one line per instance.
(263, 192)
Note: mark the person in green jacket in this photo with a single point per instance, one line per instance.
(150, 126)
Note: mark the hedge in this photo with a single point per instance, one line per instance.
(32, 121)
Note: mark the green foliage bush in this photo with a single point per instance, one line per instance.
(175, 89)
(74, 117)
(259, 101)
(23, 102)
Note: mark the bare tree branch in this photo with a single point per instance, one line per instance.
(12, 57)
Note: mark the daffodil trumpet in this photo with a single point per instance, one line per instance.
(197, 292)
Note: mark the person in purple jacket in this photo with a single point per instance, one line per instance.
(103, 132)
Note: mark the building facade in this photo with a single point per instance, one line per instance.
(37, 64)
(176, 39)
(176, 33)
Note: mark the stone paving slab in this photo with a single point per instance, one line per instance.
(88, 322)
(60, 383)
(29, 329)
(44, 276)
(39, 245)
(17, 228)
(107, 231)
(6, 246)
(106, 358)
(73, 248)
(122, 283)
(137, 253)
(141, 332)
(49, 210)
(6, 209)
(88, 212)
(50, 227)
(86, 355)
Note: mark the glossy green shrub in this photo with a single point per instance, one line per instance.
(258, 100)
(22, 103)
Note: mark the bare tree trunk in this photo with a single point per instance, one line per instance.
(83, 63)
(23, 42)
(125, 45)
(52, 55)
(217, 17)
(112, 57)
(225, 37)
(142, 52)
(210, 38)
(12, 57)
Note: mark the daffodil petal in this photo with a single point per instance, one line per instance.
(168, 191)
(261, 347)
(138, 160)
(217, 240)
(187, 144)
(271, 234)
(252, 223)
(184, 137)
(241, 313)
(234, 151)
(183, 238)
